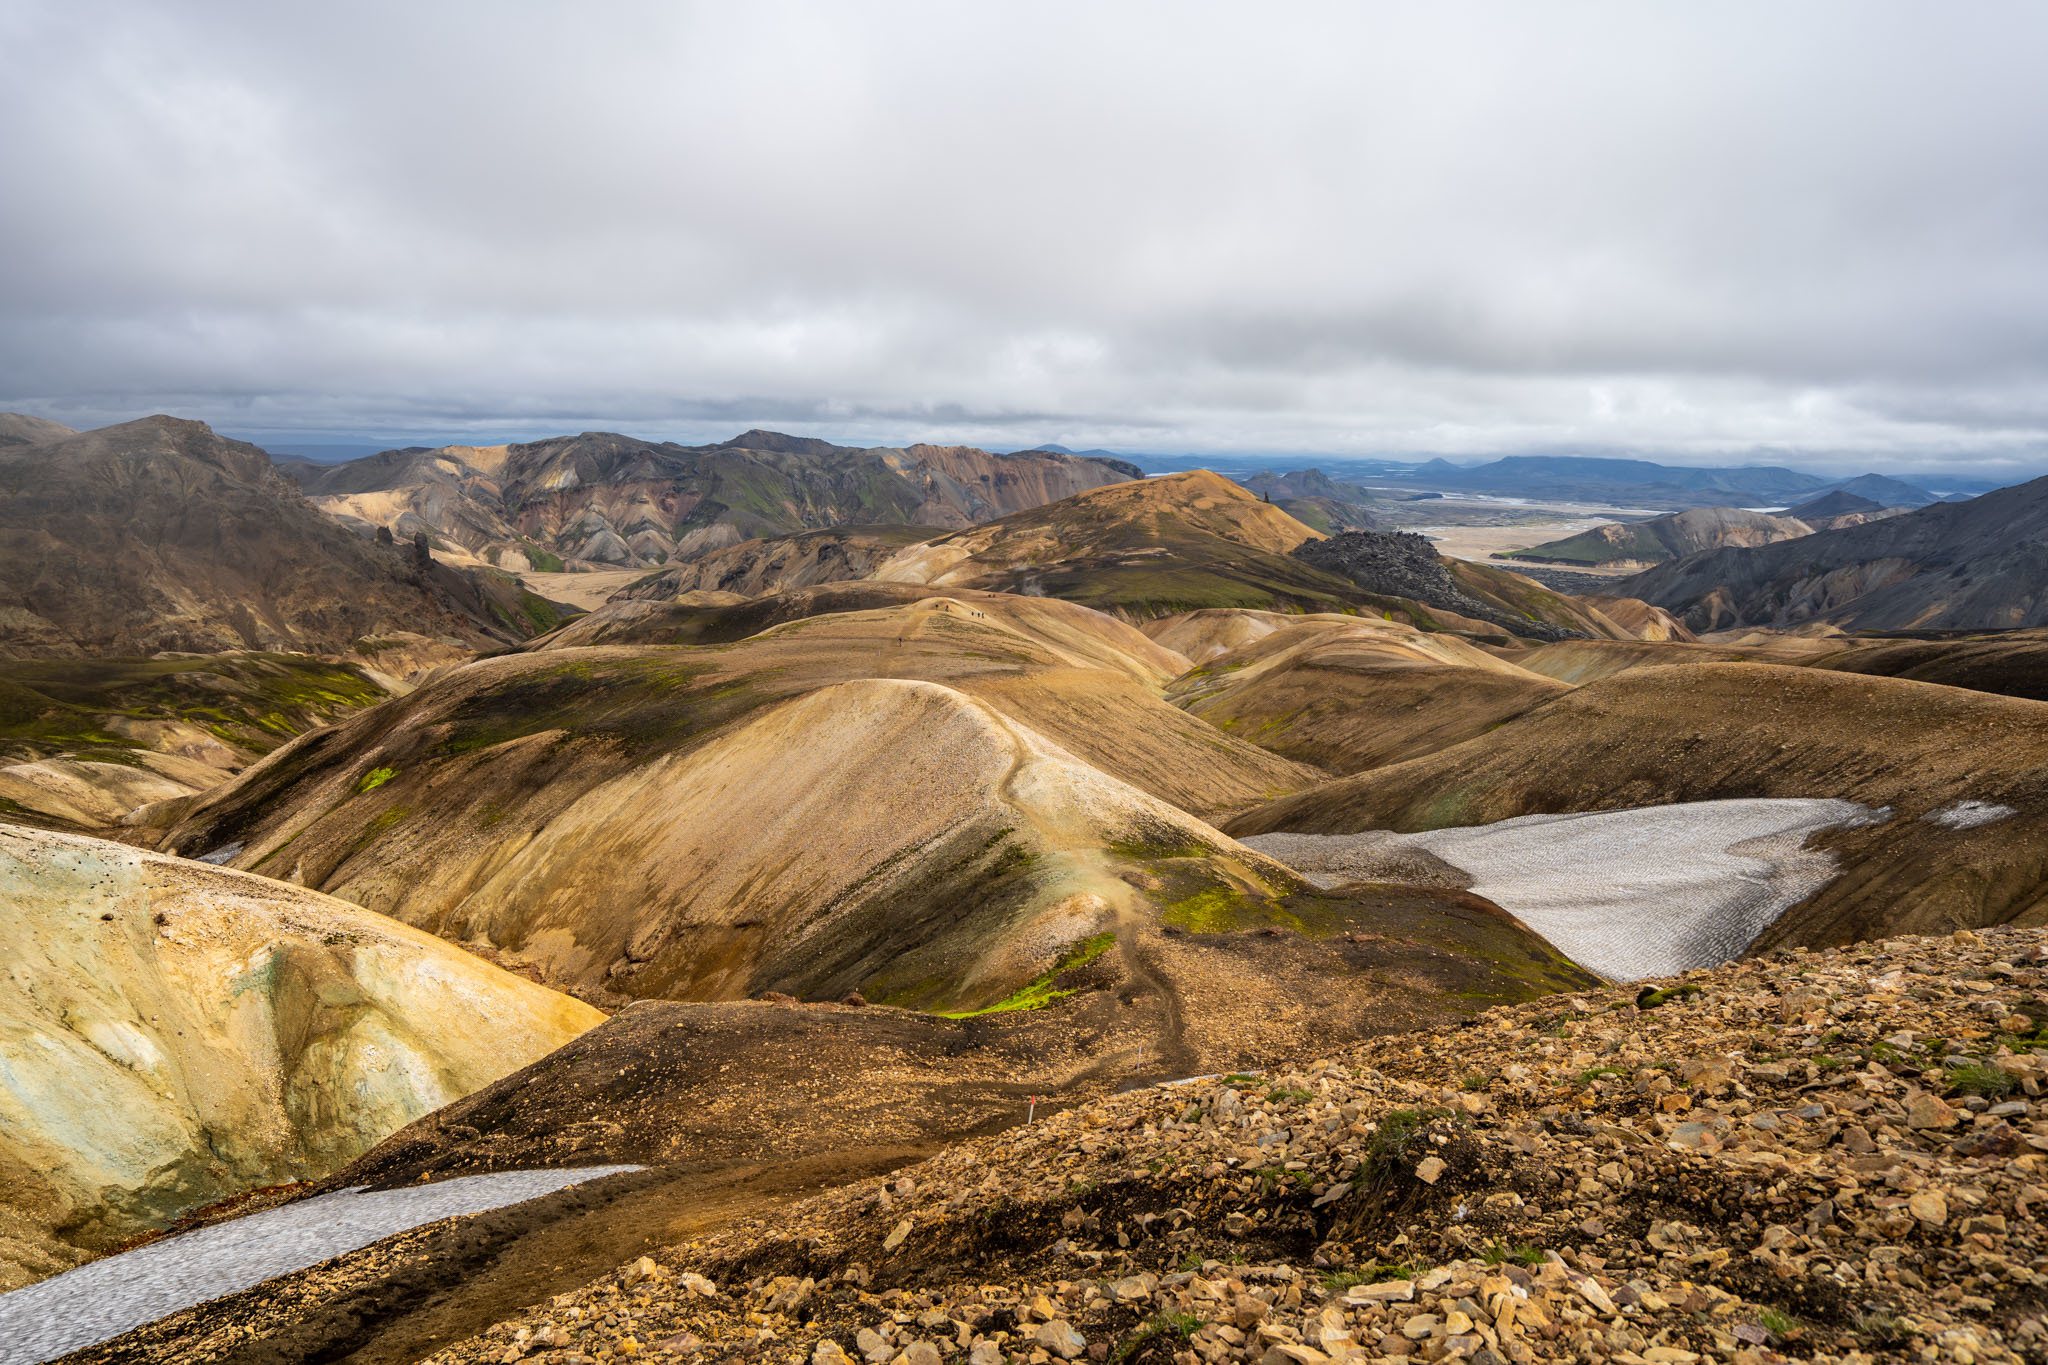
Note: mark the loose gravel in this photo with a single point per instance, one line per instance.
(1651, 891)
(119, 1293)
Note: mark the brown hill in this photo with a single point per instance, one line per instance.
(1350, 693)
(180, 1033)
(160, 535)
(2014, 663)
(923, 803)
(1175, 543)
(610, 500)
(1701, 732)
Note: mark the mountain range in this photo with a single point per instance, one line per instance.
(602, 499)
(930, 915)
(160, 534)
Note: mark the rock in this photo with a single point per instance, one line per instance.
(1430, 1169)
(829, 1352)
(698, 1285)
(873, 1346)
(1929, 1207)
(1930, 1112)
(985, 1352)
(920, 1353)
(1386, 1291)
(896, 1235)
(1059, 1337)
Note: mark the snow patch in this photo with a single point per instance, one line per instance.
(1651, 891)
(1969, 814)
(101, 1300)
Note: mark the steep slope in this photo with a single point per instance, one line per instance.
(1639, 544)
(1179, 542)
(1976, 565)
(177, 1033)
(605, 499)
(1962, 775)
(756, 568)
(922, 803)
(160, 535)
(1573, 1179)
(1348, 693)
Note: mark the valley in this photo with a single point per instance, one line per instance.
(562, 901)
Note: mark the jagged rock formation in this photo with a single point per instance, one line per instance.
(1402, 564)
(602, 499)
(159, 534)
(176, 1033)
(1639, 544)
(1976, 565)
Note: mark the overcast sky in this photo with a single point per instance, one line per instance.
(1805, 233)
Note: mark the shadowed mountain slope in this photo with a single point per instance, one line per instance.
(1932, 756)
(161, 535)
(1399, 564)
(1976, 565)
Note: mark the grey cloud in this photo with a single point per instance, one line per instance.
(1693, 232)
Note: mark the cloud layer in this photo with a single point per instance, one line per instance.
(1805, 233)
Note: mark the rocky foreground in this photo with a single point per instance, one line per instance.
(1829, 1156)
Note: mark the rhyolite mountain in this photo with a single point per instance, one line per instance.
(605, 499)
(161, 534)
(1976, 565)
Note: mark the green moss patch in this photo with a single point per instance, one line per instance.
(1043, 989)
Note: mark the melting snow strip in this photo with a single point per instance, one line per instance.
(1969, 814)
(1651, 891)
(101, 1300)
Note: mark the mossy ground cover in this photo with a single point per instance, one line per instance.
(251, 702)
(1044, 989)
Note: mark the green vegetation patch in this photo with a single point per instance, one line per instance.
(1042, 990)
(249, 701)
(375, 778)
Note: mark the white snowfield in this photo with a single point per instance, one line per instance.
(1651, 891)
(101, 1300)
